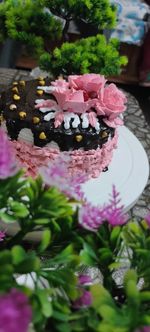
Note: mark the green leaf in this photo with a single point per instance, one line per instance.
(18, 254)
(42, 221)
(101, 297)
(7, 218)
(46, 238)
(45, 301)
(114, 235)
(19, 209)
(88, 255)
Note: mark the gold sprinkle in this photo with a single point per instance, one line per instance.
(16, 97)
(12, 107)
(23, 83)
(40, 92)
(22, 115)
(15, 89)
(42, 83)
(15, 83)
(36, 120)
(40, 78)
(104, 134)
(42, 135)
(79, 138)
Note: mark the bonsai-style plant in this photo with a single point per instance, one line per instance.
(72, 237)
(44, 25)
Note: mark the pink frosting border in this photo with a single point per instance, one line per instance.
(90, 163)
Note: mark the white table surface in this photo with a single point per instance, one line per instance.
(128, 171)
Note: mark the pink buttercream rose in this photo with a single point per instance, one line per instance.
(77, 104)
(88, 82)
(111, 101)
(60, 83)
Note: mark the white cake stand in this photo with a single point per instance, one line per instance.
(128, 171)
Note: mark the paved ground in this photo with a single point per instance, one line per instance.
(134, 120)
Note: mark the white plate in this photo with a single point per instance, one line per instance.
(128, 171)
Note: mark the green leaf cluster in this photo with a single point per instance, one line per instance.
(92, 54)
(27, 22)
(96, 12)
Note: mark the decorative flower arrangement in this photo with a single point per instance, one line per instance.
(82, 93)
(74, 237)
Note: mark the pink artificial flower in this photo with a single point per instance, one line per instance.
(56, 175)
(92, 217)
(144, 329)
(15, 312)
(2, 236)
(113, 211)
(112, 101)
(85, 300)
(8, 165)
(147, 218)
(88, 82)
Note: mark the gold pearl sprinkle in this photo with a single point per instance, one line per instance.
(79, 138)
(40, 78)
(15, 83)
(104, 134)
(22, 115)
(42, 83)
(23, 83)
(42, 135)
(40, 92)
(16, 97)
(36, 120)
(12, 107)
(15, 89)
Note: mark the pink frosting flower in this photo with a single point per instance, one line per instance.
(88, 82)
(60, 83)
(76, 103)
(8, 165)
(15, 312)
(111, 101)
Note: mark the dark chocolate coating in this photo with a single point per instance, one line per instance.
(66, 139)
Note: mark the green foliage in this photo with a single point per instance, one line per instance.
(64, 250)
(91, 54)
(26, 22)
(96, 12)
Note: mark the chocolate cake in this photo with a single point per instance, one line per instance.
(78, 116)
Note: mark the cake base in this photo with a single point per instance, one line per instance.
(90, 163)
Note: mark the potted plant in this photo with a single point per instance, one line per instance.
(74, 237)
(20, 21)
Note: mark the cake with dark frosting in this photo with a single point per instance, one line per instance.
(78, 117)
